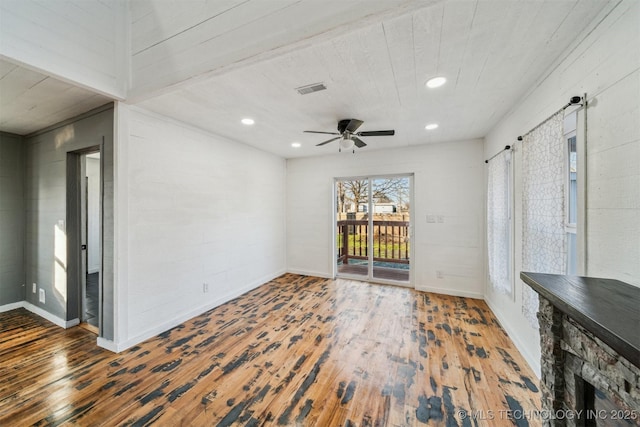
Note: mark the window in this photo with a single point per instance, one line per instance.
(571, 191)
(499, 223)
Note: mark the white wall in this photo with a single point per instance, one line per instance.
(448, 182)
(604, 63)
(192, 209)
(93, 214)
(83, 42)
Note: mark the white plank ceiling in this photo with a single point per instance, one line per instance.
(175, 40)
(30, 101)
(491, 51)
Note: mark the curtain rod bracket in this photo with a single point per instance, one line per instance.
(574, 100)
(506, 147)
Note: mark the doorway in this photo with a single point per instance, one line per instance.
(84, 237)
(373, 228)
(91, 224)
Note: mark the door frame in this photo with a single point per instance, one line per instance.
(84, 254)
(334, 217)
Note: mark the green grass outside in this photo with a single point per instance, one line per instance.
(358, 246)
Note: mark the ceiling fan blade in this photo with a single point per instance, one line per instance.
(315, 131)
(353, 125)
(359, 143)
(328, 141)
(377, 133)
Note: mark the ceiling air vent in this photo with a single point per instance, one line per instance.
(304, 90)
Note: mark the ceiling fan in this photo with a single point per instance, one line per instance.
(348, 136)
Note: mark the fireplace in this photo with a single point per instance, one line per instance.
(590, 350)
(600, 410)
(596, 387)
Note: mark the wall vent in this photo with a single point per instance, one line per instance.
(304, 90)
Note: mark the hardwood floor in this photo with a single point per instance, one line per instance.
(296, 351)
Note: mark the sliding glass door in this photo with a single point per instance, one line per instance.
(373, 228)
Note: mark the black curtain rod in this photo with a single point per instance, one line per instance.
(575, 100)
(506, 147)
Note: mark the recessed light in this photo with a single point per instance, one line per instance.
(431, 126)
(295, 144)
(248, 121)
(436, 82)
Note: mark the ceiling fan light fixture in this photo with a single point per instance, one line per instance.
(247, 121)
(346, 143)
(435, 82)
(431, 126)
(295, 144)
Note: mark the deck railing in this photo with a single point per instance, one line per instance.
(390, 240)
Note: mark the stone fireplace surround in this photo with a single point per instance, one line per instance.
(590, 340)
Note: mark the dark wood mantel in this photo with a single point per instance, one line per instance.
(609, 309)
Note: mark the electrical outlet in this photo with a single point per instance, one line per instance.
(34, 288)
(205, 287)
(440, 219)
(41, 296)
(439, 274)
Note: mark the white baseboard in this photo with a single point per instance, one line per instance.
(108, 345)
(323, 275)
(12, 306)
(451, 292)
(71, 323)
(534, 362)
(50, 317)
(165, 326)
(66, 324)
(444, 291)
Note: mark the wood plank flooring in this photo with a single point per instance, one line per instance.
(296, 351)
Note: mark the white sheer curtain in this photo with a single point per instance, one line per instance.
(543, 234)
(499, 223)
